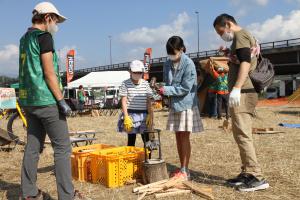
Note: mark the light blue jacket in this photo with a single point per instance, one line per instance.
(181, 86)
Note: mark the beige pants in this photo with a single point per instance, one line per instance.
(242, 133)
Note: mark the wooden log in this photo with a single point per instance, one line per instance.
(154, 170)
(204, 193)
(172, 194)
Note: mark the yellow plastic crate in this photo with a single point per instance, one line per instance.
(113, 167)
(80, 160)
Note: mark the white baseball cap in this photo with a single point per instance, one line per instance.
(137, 66)
(47, 7)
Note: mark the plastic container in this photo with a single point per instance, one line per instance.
(113, 167)
(80, 161)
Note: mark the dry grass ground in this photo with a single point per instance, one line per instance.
(214, 158)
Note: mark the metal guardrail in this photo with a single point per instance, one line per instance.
(196, 55)
(280, 44)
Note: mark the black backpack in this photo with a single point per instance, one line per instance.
(263, 76)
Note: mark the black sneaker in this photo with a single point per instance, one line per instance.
(253, 184)
(239, 180)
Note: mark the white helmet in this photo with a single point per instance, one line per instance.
(47, 7)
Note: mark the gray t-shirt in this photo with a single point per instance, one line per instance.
(242, 39)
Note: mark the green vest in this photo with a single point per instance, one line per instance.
(220, 84)
(33, 87)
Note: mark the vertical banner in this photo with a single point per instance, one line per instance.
(70, 65)
(147, 58)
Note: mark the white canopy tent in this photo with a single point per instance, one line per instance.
(101, 79)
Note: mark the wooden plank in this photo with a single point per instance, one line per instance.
(268, 132)
(82, 132)
(172, 194)
(199, 190)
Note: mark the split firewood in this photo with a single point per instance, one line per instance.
(172, 187)
(156, 190)
(173, 190)
(150, 185)
(173, 181)
(171, 194)
(150, 190)
(130, 182)
(164, 186)
(142, 196)
(180, 186)
(198, 189)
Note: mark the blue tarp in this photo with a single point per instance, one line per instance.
(290, 125)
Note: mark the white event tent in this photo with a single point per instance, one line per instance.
(101, 79)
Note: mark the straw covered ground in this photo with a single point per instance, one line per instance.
(214, 158)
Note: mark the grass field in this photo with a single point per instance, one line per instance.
(214, 158)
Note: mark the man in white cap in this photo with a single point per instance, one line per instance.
(46, 110)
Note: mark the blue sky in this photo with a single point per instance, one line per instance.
(135, 25)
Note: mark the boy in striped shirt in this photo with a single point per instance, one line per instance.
(136, 97)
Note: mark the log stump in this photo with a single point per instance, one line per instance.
(154, 170)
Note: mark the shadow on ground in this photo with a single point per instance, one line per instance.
(11, 191)
(201, 177)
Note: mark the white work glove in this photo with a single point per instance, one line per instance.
(235, 97)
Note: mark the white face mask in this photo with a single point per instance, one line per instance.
(136, 77)
(52, 27)
(227, 36)
(174, 57)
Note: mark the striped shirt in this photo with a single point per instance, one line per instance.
(136, 94)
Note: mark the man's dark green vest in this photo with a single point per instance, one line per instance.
(33, 87)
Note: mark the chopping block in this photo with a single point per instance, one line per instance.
(154, 169)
